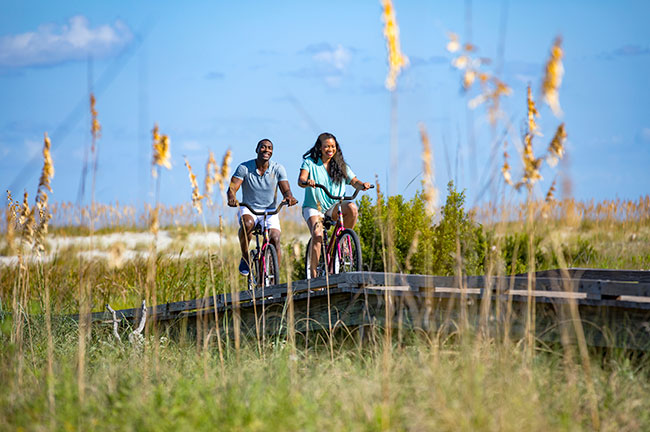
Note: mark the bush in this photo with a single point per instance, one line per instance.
(402, 229)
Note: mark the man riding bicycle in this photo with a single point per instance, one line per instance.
(259, 178)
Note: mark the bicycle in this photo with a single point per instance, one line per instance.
(342, 252)
(263, 263)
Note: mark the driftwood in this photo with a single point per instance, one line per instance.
(135, 337)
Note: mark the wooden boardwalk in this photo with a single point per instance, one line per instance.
(613, 305)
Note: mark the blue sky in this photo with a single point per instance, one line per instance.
(216, 75)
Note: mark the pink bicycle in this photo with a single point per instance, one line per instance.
(342, 252)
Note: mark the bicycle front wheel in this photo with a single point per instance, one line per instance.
(347, 252)
(270, 271)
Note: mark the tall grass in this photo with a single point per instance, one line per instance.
(65, 374)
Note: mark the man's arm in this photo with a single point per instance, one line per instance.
(286, 192)
(235, 183)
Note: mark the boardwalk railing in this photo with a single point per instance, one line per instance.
(613, 302)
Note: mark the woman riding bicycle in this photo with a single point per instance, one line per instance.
(324, 164)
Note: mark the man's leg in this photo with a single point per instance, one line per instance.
(245, 229)
(274, 237)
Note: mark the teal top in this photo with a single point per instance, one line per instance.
(315, 197)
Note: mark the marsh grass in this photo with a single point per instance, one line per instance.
(434, 385)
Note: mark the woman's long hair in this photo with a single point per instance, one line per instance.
(337, 168)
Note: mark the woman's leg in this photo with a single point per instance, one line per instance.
(350, 214)
(316, 228)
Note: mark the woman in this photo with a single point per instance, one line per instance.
(324, 164)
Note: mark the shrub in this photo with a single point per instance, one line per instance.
(418, 244)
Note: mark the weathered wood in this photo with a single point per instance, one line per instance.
(614, 309)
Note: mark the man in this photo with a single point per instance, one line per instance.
(260, 178)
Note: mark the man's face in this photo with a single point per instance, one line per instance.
(265, 150)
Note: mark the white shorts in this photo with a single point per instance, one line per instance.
(272, 222)
(308, 212)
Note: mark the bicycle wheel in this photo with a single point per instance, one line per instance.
(320, 269)
(254, 270)
(347, 252)
(269, 267)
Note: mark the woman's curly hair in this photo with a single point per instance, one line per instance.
(337, 168)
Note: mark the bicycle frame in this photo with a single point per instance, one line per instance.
(329, 244)
(258, 257)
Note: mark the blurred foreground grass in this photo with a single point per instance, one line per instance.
(425, 384)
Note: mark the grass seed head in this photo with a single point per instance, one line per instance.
(210, 179)
(532, 113)
(553, 72)
(505, 169)
(225, 170)
(396, 60)
(196, 195)
(44, 215)
(430, 192)
(95, 127)
(161, 151)
(556, 147)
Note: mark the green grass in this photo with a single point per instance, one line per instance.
(421, 386)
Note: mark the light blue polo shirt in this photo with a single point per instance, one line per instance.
(260, 190)
(316, 196)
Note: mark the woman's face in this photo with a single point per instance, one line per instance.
(328, 149)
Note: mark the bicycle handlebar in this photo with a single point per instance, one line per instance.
(337, 198)
(263, 212)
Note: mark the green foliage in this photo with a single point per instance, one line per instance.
(403, 229)
(514, 251)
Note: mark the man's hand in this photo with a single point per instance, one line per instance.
(232, 202)
(366, 186)
(291, 201)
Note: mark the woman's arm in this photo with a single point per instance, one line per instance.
(304, 177)
(358, 184)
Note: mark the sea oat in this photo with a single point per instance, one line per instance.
(532, 113)
(210, 178)
(548, 201)
(553, 72)
(396, 60)
(505, 169)
(430, 192)
(225, 170)
(95, 127)
(161, 151)
(41, 197)
(556, 147)
(196, 195)
(532, 164)
(10, 217)
(454, 44)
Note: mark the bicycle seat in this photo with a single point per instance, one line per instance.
(258, 228)
(328, 222)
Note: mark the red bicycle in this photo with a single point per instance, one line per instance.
(342, 252)
(264, 270)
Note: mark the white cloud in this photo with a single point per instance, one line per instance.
(338, 57)
(51, 44)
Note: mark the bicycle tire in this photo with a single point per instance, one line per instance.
(347, 252)
(321, 263)
(254, 270)
(270, 272)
